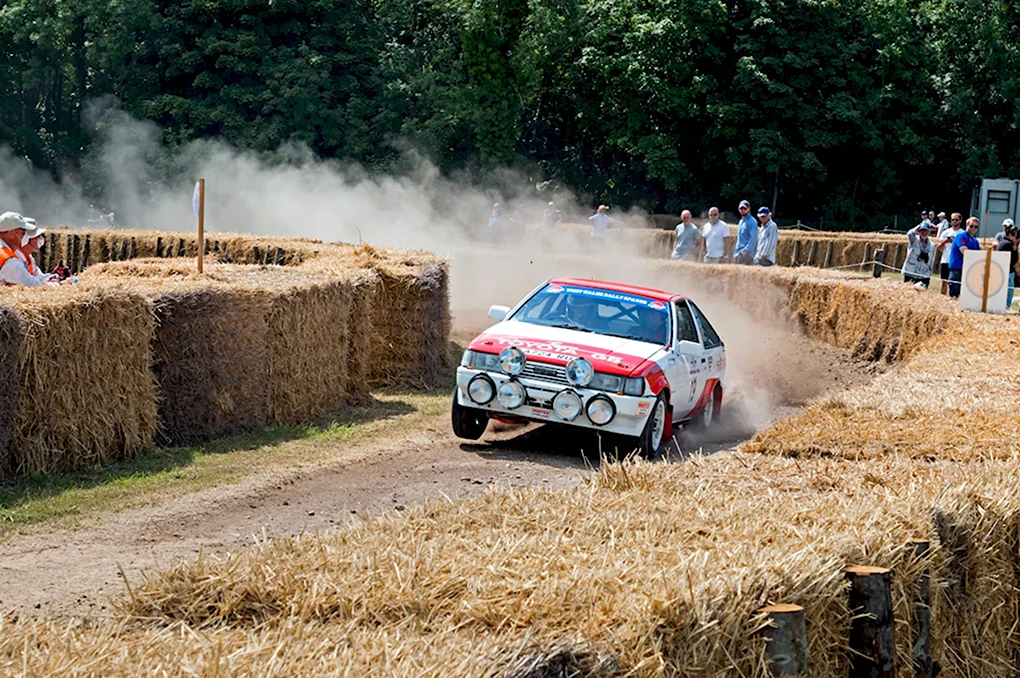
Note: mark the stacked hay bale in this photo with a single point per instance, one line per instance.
(85, 395)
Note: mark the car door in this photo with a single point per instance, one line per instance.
(713, 358)
(686, 351)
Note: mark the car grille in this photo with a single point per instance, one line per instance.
(545, 372)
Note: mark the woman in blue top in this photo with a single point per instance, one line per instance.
(964, 240)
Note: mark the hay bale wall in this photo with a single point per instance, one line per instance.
(11, 338)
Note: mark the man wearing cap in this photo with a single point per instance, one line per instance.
(940, 226)
(33, 243)
(687, 238)
(768, 239)
(920, 256)
(964, 240)
(12, 268)
(747, 236)
(945, 241)
(1006, 223)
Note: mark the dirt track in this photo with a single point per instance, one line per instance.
(76, 572)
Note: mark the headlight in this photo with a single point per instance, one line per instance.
(567, 405)
(601, 410)
(481, 389)
(511, 395)
(634, 386)
(480, 361)
(580, 372)
(512, 360)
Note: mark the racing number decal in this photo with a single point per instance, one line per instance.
(694, 388)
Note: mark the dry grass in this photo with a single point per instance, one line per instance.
(652, 569)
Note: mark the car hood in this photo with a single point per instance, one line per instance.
(614, 355)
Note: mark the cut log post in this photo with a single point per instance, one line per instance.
(255, 255)
(265, 257)
(111, 246)
(206, 250)
(159, 247)
(899, 256)
(876, 271)
(76, 254)
(278, 257)
(67, 251)
(812, 251)
(51, 252)
(795, 257)
(181, 251)
(133, 249)
(872, 652)
(86, 249)
(226, 252)
(920, 627)
(828, 255)
(123, 249)
(786, 646)
(867, 255)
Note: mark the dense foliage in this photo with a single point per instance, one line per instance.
(846, 109)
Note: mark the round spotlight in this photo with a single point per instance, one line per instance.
(481, 389)
(601, 410)
(511, 395)
(512, 360)
(567, 405)
(580, 372)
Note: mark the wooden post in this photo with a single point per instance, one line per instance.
(920, 627)
(85, 250)
(984, 289)
(75, 254)
(828, 255)
(867, 254)
(812, 252)
(123, 249)
(876, 271)
(265, 257)
(872, 652)
(206, 246)
(159, 247)
(67, 250)
(226, 253)
(133, 249)
(111, 245)
(181, 251)
(899, 256)
(278, 257)
(51, 253)
(787, 646)
(216, 246)
(795, 257)
(201, 223)
(255, 255)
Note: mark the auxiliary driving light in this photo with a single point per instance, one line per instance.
(512, 360)
(481, 389)
(601, 410)
(567, 405)
(580, 372)
(511, 395)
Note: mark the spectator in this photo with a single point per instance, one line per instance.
(551, 216)
(768, 239)
(1006, 223)
(497, 223)
(33, 243)
(942, 225)
(945, 241)
(715, 235)
(12, 269)
(925, 220)
(920, 256)
(931, 219)
(1009, 242)
(964, 240)
(687, 238)
(599, 225)
(747, 236)
(61, 270)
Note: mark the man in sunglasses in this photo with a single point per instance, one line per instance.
(945, 241)
(964, 240)
(747, 236)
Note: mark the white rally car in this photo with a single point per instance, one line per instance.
(626, 360)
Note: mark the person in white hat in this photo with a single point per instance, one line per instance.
(33, 243)
(13, 270)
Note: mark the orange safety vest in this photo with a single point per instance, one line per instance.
(7, 253)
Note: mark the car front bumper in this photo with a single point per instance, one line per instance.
(632, 412)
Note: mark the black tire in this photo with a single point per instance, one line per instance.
(706, 417)
(647, 445)
(468, 423)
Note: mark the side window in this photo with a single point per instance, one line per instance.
(685, 329)
(711, 336)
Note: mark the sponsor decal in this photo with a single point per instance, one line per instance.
(539, 413)
(614, 296)
(543, 348)
(545, 371)
(644, 407)
(555, 289)
(606, 358)
(657, 305)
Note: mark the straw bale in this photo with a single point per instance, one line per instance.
(11, 337)
(86, 393)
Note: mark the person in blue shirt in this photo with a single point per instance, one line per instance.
(747, 236)
(964, 240)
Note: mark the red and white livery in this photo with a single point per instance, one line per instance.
(627, 360)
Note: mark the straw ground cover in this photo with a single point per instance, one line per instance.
(660, 568)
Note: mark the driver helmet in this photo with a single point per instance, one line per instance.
(581, 308)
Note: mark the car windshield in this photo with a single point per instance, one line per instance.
(589, 309)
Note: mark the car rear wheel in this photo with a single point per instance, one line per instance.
(652, 441)
(468, 423)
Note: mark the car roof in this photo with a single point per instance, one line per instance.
(648, 292)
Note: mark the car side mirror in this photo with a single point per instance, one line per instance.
(499, 313)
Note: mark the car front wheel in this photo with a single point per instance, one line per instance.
(652, 441)
(706, 417)
(468, 423)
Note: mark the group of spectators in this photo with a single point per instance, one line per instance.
(20, 239)
(756, 243)
(955, 237)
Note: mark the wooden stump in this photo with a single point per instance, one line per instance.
(787, 646)
(795, 257)
(255, 255)
(867, 255)
(51, 252)
(278, 257)
(67, 250)
(872, 652)
(123, 250)
(876, 271)
(828, 255)
(812, 251)
(86, 249)
(921, 623)
(899, 256)
(226, 253)
(159, 247)
(181, 251)
(133, 250)
(75, 260)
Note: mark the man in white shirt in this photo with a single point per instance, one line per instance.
(12, 268)
(714, 234)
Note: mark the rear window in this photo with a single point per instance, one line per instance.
(588, 309)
